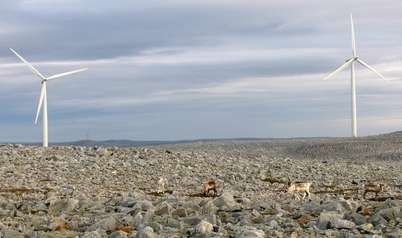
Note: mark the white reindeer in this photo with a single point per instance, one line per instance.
(162, 185)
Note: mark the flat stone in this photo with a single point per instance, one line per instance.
(326, 218)
(118, 234)
(59, 206)
(163, 209)
(250, 232)
(179, 212)
(128, 202)
(7, 233)
(193, 220)
(107, 224)
(94, 234)
(342, 224)
(367, 227)
(146, 232)
(226, 201)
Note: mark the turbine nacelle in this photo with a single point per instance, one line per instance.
(352, 58)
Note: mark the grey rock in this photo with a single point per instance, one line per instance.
(213, 219)
(273, 224)
(128, 202)
(390, 213)
(191, 206)
(378, 221)
(7, 233)
(101, 151)
(349, 205)
(149, 215)
(94, 234)
(107, 224)
(7, 213)
(156, 227)
(138, 220)
(118, 234)
(250, 232)
(209, 208)
(58, 206)
(366, 228)
(395, 234)
(326, 218)
(226, 201)
(163, 209)
(57, 234)
(173, 223)
(193, 220)
(144, 205)
(357, 218)
(342, 224)
(340, 206)
(39, 207)
(128, 220)
(179, 212)
(146, 232)
(40, 223)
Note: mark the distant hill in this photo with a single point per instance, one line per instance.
(105, 143)
(396, 134)
(134, 143)
(109, 143)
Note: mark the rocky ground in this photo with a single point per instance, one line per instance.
(111, 192)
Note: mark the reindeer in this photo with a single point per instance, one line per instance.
(372, 188)
(300, 187)
(208, 186)
(162, 185)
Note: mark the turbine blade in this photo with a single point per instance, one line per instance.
(65, 74)
(35, 71)
(42, 95)
(370, 68)
(342, 67)
(353, 36)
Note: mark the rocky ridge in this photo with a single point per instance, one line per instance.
(111, 192)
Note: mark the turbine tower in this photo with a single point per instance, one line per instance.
(43, 94)
(351, 62)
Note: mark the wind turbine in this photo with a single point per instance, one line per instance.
(43, 94)
(351, 62)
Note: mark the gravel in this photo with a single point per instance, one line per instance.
(114, 192)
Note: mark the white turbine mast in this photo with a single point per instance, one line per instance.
(351, 62)
(43, 94)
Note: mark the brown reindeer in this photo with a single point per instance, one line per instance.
(372, 188)
(208, 186)
(300, 187)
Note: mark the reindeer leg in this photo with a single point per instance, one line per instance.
(209, 192)
(303, 196)
(297, 196)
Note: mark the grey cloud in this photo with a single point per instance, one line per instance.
(154, 65)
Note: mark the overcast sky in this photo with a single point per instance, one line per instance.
(183, 69)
